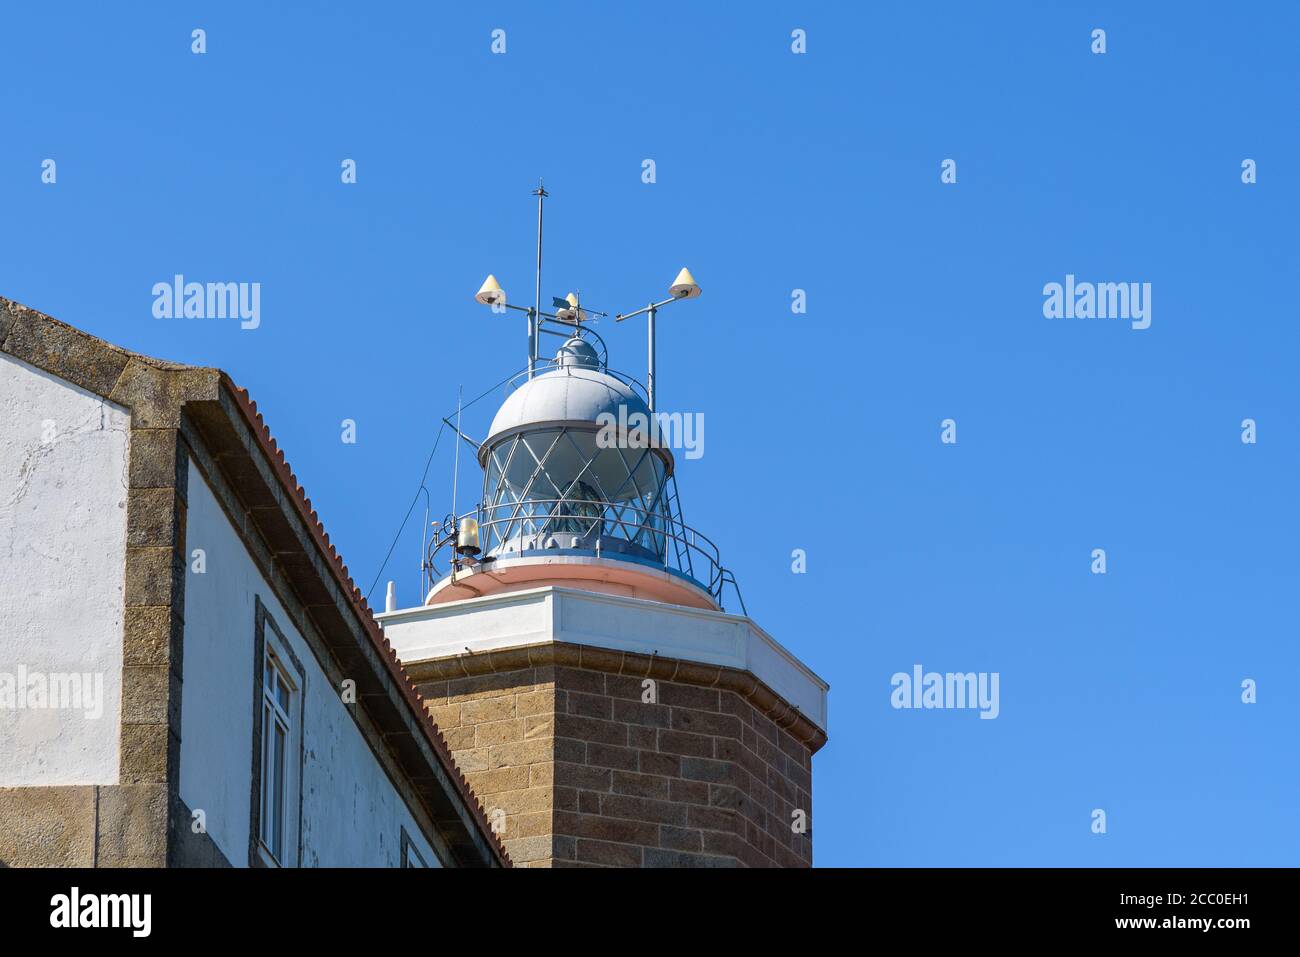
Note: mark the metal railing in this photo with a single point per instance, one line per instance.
(614, 530)
(550, 365)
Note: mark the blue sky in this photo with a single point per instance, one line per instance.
(777, 172)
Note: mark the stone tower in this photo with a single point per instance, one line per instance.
(577, 657)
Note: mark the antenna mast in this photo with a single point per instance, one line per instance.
(455, 478)
(535, 319)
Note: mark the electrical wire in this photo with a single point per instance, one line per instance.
(423, 477)
(401, 528)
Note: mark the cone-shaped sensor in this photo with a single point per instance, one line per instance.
(491, 293)
(684, 286)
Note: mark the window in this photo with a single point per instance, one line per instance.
(277, 748)
(411, 857)
(277, 728)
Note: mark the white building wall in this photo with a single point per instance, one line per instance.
(352, 815)
(63, 488)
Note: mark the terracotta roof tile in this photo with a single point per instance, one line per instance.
(362, 609)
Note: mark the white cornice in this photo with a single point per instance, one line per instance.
(555, 614)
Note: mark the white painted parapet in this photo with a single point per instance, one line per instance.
(554, 614)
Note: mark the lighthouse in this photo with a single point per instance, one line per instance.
(572, 493)
(586, 653)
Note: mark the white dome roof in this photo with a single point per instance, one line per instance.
(564, 396)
